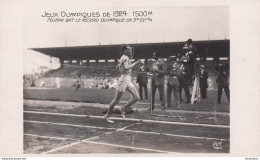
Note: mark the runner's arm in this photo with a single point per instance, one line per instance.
(129, 66)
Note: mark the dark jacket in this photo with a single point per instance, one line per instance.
(185, 77)
(222, 75)
(222, 78)
(142, 77)
(203, 79)
(158, 76)
(174, 71)
(191, 52)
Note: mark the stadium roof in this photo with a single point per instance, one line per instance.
(210, 48)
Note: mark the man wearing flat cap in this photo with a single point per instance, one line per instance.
(203, 81)
(173, 71)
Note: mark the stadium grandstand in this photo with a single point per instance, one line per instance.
(95, 65)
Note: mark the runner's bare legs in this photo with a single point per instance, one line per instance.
(114, 102)
(135, 98)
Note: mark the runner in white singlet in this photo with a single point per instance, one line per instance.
(124, 83)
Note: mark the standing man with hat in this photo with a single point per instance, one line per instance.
(173, 82)
(185, 80)
(203, 81)
(142, 79)
(191, 53)
(222, 80)
(158, 70)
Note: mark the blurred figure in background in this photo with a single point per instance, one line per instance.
(76, 85)
(57, 81)
(42, 83)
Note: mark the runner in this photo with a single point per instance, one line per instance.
(124, 83)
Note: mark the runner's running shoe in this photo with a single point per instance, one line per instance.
(108, 119)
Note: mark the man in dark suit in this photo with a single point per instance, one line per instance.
(185, 80)
(203, 81)
(142, 79)
(173, 71)
(158, 70)
(222, 80)
(191, 52)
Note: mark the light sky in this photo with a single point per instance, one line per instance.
(170, 24)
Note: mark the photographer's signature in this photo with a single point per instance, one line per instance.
(217, 145)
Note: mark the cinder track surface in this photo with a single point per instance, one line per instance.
(51, 131)
(56, 121)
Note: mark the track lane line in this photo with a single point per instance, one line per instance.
(71, 125)
(88, 141)
(131, 119)
(174, 135)
(132, 131)
(97, 105)
(62, 147)
(137, 148)
(57, 138)
(78, 141)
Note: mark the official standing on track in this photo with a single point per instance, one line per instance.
(185, 80)
(158, 70)
(222, 80)
(173, 82)
(142, 79)
(203, 81)
(124, 83)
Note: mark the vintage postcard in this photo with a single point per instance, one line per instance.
(119, 78)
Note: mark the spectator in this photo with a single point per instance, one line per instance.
(142, 79)
(42, 83)
(191, 53)
(158, 70)
(173, 82)
(222, 80)
(57, 80)
(76, 85)
(184, 81)
(203, 81)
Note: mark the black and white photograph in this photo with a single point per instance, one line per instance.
(138, 81)
(127, 80)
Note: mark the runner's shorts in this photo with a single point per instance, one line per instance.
(124, 83)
